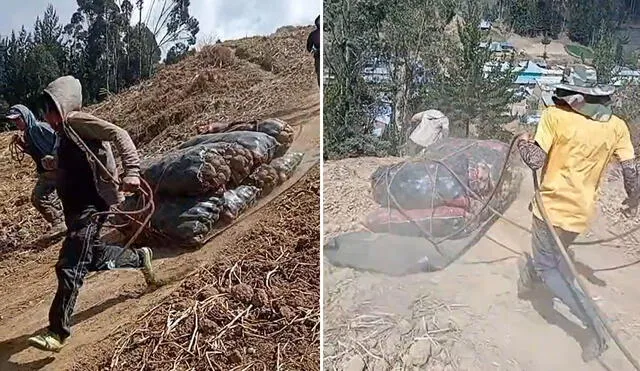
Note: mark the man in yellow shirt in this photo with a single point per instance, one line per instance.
(573, 145)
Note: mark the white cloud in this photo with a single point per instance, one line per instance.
(232, 19)
(219, 19)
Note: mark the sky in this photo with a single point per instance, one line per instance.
(219, 19)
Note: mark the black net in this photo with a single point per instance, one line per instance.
(209, 163)
(268, 176)
(262, 146)
(276, 128)
(190, 171)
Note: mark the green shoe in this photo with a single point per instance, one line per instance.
(48, 342)
(147, 267)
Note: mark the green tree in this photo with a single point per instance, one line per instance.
(605, 57)
(476, 89)
(174, 26)
(413, 39)
(351, 41)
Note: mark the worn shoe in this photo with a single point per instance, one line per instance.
(48, 342)
(594, 348)
(528, 276)
(147, 267)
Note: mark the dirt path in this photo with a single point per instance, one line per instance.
(474, 319)
(113, 299)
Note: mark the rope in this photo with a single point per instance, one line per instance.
(545, 217)
(146, 194)
(578, 279)
(17, 152)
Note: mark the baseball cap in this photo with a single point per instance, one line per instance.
(13, 114)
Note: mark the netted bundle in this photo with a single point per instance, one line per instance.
(192, 171)
(190, 221)
(433, 208)
(239, 159)
(265, 177)
(452, 181)
(287, 165)
(262, 146)
(187, 221)
(276, 128)
(268, 176)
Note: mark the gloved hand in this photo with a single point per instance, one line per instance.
(130, 184)
(49, 162)
(526, 137)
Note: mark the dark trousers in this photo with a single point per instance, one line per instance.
(556, 275)
(83, 252)
(317, 65)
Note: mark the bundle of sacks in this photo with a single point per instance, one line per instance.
(443, 192)
(207, 182)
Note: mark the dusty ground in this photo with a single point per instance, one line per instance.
(264, 286)
(276, 80)
(468, 317)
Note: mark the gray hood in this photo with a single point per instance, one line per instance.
(66, 92)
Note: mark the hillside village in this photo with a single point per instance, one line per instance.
(538, 66)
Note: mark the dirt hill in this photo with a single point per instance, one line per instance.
(468, 316)
(272, 251)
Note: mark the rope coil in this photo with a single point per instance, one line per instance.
(17, 152)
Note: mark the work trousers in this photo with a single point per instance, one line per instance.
(556, 275)
(316, 56)
(83, 252)
(45, 199)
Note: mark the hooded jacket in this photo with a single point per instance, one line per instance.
(94, 137)
(40, 138)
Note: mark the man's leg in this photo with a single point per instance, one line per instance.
(82, 251)
(556, 275)
(317, 65)
(45, 199)
(111, 256)
(72, 267)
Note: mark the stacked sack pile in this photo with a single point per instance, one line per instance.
(443, 192)
(208, 181)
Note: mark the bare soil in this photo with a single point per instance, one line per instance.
(468, 316)
(257, 307)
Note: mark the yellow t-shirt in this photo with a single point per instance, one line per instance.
(578, 152)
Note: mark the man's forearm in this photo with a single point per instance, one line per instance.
(630, 177)
(532, 154)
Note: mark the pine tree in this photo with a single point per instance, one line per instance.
(473, 97)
